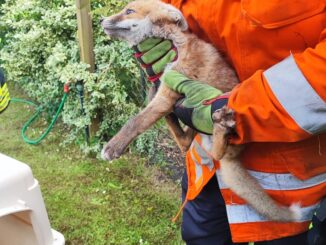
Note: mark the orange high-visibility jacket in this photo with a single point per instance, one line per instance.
(278, 49)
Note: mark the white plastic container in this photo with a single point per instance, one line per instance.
(23, 217)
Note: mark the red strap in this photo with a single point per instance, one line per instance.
(138, 55)
(154, 79)
(176, 51)
(211, 101)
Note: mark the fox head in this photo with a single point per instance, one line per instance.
(136, 21)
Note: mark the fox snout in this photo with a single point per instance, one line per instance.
(112, 25)
(131, 30)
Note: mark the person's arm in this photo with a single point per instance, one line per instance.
(285, 103)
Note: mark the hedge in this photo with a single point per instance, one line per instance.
(41, 53)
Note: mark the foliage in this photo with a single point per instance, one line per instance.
(41, 54)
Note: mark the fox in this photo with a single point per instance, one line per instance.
(197, 60)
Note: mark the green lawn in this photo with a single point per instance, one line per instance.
(90, 201)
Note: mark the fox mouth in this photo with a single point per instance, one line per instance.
(116, 29)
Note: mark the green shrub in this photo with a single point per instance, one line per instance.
(41, 54)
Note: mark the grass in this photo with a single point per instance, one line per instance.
(90, 201)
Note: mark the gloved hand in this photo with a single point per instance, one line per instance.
(154, 54)
(4, 93)
(199, 103)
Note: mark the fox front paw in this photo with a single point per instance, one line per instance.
(224, 117)
(223, 125)
(112, 150)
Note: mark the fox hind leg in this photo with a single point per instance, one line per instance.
(183, 137)
(238, 179)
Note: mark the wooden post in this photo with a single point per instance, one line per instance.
(85, 33)
(86, 43)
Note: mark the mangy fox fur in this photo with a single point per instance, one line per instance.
(200, 61)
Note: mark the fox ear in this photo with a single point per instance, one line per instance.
(169, 13)
(176, 16)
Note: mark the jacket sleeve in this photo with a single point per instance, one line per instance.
(285, 103)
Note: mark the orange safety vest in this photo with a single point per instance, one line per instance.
(245, 223)
(278, 49)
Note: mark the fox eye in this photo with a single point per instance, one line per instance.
(130, 11)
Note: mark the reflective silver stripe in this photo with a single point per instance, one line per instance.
(270, 181)
(207, 142)
(244, 213)
(199, 171)
(205, 158)
(204, 149)
(297, 96)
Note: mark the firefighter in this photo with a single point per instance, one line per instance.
(278, 49)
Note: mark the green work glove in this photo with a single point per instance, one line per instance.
(199, 103)
(154, 54)
(4, 93)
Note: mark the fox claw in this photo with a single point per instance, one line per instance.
(111, 151)
(224, 117)
(223, 125)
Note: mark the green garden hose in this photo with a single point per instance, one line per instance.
(38, 111)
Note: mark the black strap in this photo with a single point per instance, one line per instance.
(150, 72)
(2, 77)
(135, 48)
(218, 104)
(183, 113)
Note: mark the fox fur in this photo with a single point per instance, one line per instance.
(199, 61)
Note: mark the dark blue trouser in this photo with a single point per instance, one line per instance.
(205, 220)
